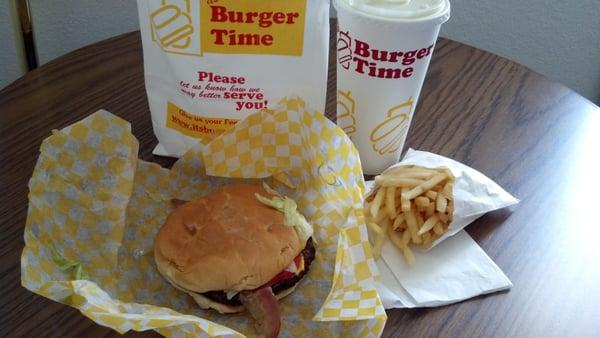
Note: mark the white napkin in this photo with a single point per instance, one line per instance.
(455, 268)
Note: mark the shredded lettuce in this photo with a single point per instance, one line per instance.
(231, 293)
(289, 208)
(66, 264)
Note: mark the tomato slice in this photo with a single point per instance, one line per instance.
(285, 274)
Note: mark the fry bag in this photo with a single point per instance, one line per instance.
(474, 194)
(209, 64)
(95, 209)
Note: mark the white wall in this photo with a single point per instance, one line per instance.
(11, 64)
(558, 38)
(61, 26)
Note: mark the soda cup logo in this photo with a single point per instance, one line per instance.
(173, 24)
(369, 58)
(346, 108)
(388, 136)
(344, 49)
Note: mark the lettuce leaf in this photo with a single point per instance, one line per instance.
(66, 264)
(289, 208)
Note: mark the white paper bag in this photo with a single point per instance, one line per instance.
(209, 64)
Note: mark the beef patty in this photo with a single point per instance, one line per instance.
(309, 255)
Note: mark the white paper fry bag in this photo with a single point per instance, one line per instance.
(474, 193)
(209, 64)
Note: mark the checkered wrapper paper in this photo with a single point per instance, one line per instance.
(94, 210)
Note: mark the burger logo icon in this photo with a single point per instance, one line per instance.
(344, 49)
(346, 108)
(388, 136)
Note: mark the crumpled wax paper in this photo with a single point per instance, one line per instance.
(94, 209)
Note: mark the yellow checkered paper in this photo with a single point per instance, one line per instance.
(93, 203)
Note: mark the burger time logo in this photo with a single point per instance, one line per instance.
(364, 59)
(193, 27)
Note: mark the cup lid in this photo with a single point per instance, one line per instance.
(399, 9)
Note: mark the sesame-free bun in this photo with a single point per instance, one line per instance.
(227, 240)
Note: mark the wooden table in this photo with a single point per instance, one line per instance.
(536, 138)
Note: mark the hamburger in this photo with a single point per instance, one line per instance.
(241, 247)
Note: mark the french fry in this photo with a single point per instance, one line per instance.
(379, 239)
(404, 202)
(396, 238)
(381, 216)
(450, 208)
(408, 255)
(406, 237)
(376, 205)
(375, 228)
(390, 202)
(399, 223)
(441, 203)
(388, 181)
(420, 220)
(429, 224)
(430, 210)
(411, 223)
(427, 239)
(438, 229)
(447, 190)
(421, 188)
(422, 202)
(411, 171)
(431, 194)
(367, 209)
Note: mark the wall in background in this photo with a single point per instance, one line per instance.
(11, 59)
(61, 26)
(560, 39)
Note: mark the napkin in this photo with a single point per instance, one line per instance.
(453, 271)
(95, 208)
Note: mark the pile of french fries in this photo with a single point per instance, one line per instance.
(410, 205)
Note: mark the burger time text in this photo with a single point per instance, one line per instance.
(273, 27)
(380, 63)
(261, 19)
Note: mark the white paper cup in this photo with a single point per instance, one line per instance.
(383, 56)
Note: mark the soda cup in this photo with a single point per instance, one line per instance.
(383, 52)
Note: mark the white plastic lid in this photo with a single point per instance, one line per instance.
(399, 9)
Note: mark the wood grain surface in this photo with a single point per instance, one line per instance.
(536, 138)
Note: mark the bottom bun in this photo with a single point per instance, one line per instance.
(206, 303)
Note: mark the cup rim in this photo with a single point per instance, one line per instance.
(436, 19)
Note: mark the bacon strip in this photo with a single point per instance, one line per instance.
(263, 306)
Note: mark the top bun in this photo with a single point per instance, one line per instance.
(227, 240)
